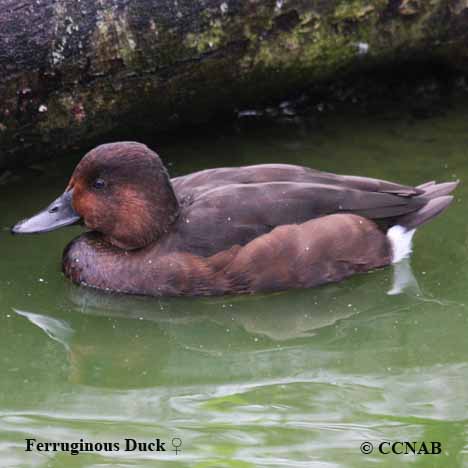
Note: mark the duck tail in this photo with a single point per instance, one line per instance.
(438, 199)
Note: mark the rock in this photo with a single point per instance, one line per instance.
(73, 73)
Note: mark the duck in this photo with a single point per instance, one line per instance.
(230, 230)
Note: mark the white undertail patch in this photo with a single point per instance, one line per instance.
(401, 240)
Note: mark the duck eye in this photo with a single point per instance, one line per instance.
(99, 184)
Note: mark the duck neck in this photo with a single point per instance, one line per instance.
(165, 214)
(145, 223)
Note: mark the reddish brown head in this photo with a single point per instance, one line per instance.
(121, 190)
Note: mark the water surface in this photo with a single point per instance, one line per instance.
(296, 379)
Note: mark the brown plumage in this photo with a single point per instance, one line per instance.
(290, 256)
(228, 230)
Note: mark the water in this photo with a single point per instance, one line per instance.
(296, 379)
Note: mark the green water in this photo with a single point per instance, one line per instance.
(297, 379)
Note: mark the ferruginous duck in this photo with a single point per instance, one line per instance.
(219, 231)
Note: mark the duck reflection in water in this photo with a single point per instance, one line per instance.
(117, 340)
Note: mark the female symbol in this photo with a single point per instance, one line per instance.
(176, 443)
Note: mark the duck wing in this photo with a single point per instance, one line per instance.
(203, 181)
(234, 214)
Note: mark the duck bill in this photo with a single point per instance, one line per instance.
(58, 214)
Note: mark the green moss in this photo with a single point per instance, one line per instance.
(207, 40)
(354, 10)
(113, 39)
(313, 46)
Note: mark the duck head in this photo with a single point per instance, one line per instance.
(121, 190)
